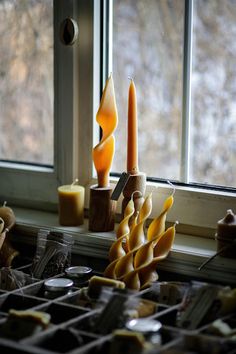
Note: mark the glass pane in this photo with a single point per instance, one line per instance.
(148, 46)
(213, 136)
(26, 81)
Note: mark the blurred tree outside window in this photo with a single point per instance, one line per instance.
(148, 41)
(213, 134)
(26, 81)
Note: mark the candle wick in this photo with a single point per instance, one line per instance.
(5, 203)
(171, 184)
(176, 223)
(75, 181)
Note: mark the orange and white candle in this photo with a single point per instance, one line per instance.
(107, 118)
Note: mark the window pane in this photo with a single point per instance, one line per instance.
(147, 46)
(26, 81)
(213, 157)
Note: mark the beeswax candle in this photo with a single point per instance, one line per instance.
(157, 226)
(71, 204)
(137, 236)
(107, 118)
(132, 140)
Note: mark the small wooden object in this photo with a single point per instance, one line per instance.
(135, 186)
(101, 209)
(226, 235)
(7, 252)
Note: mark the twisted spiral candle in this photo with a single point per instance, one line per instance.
(107, 118)
(137, 267)
(157, 226)
(146, 259)
(137, 236)
(117, 250)
(124, 264)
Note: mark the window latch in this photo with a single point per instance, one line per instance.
(69, 31)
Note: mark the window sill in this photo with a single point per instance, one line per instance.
(187, 254)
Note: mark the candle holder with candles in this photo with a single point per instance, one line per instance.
(137, 180)
(101, 207)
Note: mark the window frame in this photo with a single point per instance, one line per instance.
(77, 99)
(190, 199)
(74, 90)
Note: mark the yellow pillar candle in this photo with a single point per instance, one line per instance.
(71, 204)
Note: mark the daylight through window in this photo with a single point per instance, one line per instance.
(148, 45)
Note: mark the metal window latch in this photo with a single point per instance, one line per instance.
(69, 31)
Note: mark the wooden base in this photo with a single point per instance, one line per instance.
(101, 209)
(226, 247)
(136, 183)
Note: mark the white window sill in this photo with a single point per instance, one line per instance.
(187, 254)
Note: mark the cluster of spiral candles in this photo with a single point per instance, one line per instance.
(135, 253)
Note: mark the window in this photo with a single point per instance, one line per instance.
(27, 82)
(60, 92)
(148, 46)
(175, 51)
(184, 68)
(79, 75)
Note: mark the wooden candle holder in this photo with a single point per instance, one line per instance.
(101, 209)
(136, 183)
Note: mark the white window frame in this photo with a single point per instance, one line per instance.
(77, 95)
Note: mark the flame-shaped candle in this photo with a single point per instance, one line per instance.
(137, 236)
(136, 267)
(132, 140)
(117, 251)
(157, 226)
(107, 118)
(124, 265)
(162, 247)
(136, 239)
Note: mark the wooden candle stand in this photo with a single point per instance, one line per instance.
(101, 209)
(136, 183)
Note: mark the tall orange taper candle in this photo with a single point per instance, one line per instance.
(107, 118)
(132, 138)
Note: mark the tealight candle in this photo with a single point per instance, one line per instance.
(71, 204)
